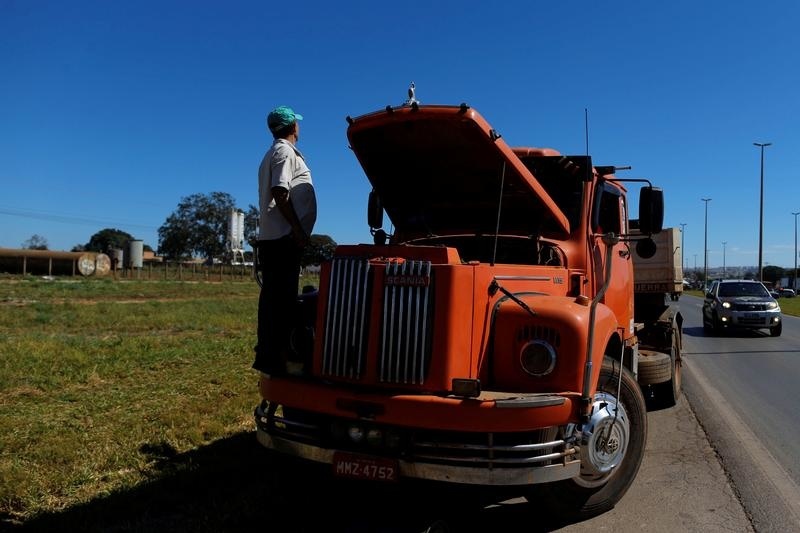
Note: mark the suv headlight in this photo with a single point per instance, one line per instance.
(726, 305)
(772, 305)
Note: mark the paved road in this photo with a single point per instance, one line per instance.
(746, 392)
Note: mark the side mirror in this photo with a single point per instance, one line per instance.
(646, 248)
(651, 210)
(374, 211)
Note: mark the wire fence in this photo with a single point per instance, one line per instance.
(180, 271)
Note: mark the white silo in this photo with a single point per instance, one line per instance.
(135, 253)
(236, 235)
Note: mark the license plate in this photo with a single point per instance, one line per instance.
(364, 467)
(752, 315)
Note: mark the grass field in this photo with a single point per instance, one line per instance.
(108, 388)
(127, 406)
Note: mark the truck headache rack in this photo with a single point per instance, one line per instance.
(404, 323)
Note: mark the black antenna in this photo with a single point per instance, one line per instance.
(499, 210)
(586, 127)
(586, 133)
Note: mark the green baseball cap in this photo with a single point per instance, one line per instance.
(282, 116)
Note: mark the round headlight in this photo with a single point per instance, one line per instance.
(393, 439)
(356, 433)
(538, 358)
(726, 305)
(374, 437)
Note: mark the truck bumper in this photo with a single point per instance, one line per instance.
(473, 458)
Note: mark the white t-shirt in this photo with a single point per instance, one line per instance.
(283, 166)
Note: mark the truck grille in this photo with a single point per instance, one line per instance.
(404, 323)
(406, 328)
(347, 318)
(750, 307)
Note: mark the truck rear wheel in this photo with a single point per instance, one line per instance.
(594, 493)
(667, 393)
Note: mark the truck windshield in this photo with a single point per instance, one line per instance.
(730, 290)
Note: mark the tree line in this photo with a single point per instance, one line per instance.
(197, 228)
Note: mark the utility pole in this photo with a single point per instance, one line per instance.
(705, 245)
(683, 250)
(795, 249)
(724, 271)
(761, 216)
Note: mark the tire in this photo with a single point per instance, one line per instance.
(707, 326)
(654, 367)
(716, 325)
(590, 495)
(668, 393)
(775, 331)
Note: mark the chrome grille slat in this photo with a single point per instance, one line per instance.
(500, 460)
(478, 447)
(346, 318)
(406, 333)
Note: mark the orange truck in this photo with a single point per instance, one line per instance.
(488, 335)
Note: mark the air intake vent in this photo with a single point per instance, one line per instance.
(532, 333)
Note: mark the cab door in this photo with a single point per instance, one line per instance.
(610, 214)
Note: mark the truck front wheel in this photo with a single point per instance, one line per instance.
(598, 490)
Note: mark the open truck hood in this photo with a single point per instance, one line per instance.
(439, 170)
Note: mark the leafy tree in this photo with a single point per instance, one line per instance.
(197, 227)
(773, 273)
(251, 226)
(36, 242)
(106, 239)
(320, 248)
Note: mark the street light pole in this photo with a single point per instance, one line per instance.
(724, 271)
(683, 250)
(795, 249)
(761, 216)
(705, 245)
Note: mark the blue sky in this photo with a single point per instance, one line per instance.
(111, 112)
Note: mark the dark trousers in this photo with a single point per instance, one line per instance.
(279, 262)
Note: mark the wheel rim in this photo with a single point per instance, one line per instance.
(604, 441)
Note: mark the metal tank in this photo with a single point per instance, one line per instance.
(135, 253)
(117, 258)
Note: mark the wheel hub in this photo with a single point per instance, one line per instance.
(604, 439)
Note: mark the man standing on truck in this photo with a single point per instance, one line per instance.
(288, 210)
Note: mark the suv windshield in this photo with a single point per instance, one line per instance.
(729, 290)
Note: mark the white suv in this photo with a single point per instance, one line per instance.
(737, 303)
